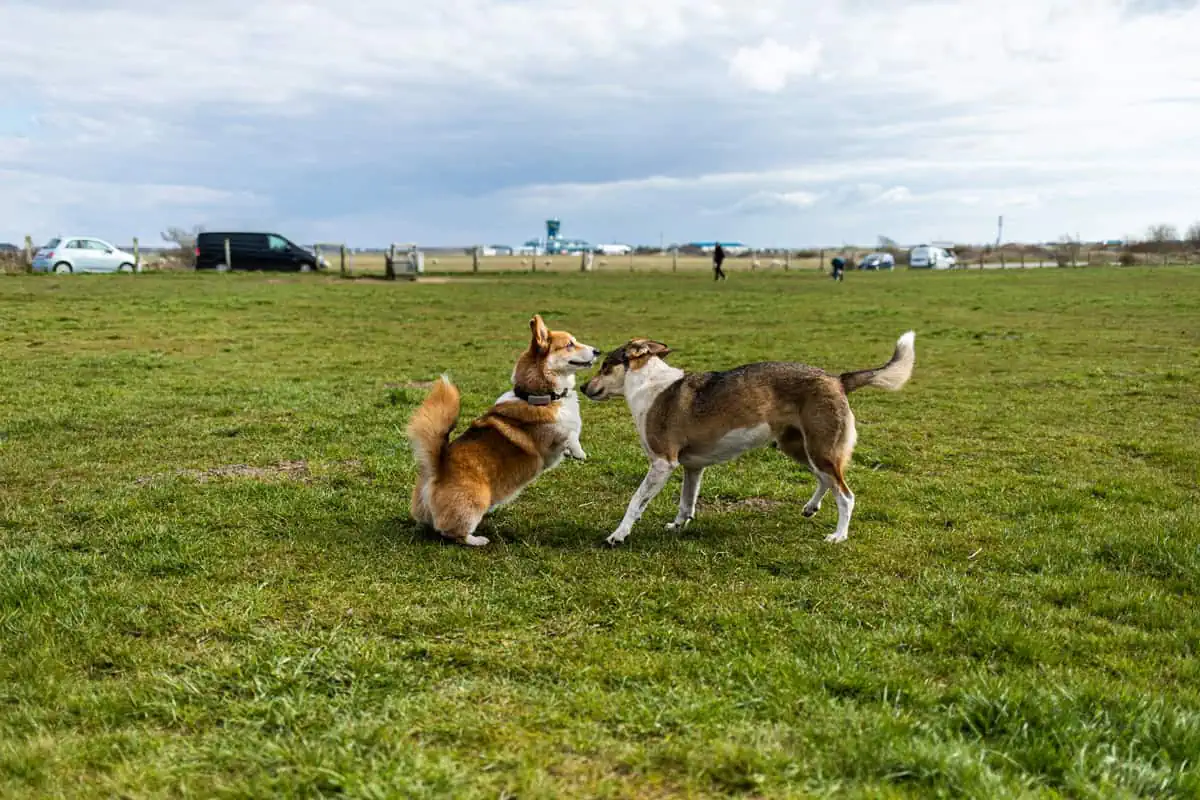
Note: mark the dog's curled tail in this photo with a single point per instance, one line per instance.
(431, 424)
(892, 375)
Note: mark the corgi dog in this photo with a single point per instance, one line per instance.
(700, 419)
(526, 432)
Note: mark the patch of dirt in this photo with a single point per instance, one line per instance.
(746, 503)
(283, 470)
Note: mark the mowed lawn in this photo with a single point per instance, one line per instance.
(209, 585)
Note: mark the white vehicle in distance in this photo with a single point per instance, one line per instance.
(613, 249)
(929, 257)
(81, 254)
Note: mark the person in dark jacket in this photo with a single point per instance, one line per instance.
(839, 268)
(718, 260)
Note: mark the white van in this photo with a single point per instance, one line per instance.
(929, 257)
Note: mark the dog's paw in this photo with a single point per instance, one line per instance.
(835, 538)
(579, 455)
(810, 511)
(476, 541)
(614, 539)
(679, 525)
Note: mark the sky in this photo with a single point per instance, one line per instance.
(457, 122)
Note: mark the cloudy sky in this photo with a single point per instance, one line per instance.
(461, 121)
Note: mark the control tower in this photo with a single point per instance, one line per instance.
(552, 228)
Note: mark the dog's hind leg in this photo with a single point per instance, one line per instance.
(829, 450)
(456, 515)
(791, 442)
(417, 507)
(687, 498)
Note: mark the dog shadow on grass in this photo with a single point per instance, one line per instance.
(721, 522)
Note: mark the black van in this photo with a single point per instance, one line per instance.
(252, 251)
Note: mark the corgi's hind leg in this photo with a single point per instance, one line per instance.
(457, 513)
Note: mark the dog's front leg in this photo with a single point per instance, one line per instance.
(574, 448)
(652, 484)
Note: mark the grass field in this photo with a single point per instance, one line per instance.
(209, 585)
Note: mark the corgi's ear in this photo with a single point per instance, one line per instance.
(540, 342)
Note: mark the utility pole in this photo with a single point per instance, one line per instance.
(1000, 231)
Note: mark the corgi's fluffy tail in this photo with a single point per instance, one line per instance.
(431, 424)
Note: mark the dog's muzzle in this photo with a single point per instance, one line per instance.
(585, 364)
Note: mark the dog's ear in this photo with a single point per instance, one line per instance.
(647, 347)
(541, 335)
(658, 349)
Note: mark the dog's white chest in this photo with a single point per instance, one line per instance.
(569, 418)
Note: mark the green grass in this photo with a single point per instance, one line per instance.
(1016, 613)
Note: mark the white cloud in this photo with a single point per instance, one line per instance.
(896, 194)
(628, 117)
(769, 66)
(774, 202)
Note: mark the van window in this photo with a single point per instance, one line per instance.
(277, 243)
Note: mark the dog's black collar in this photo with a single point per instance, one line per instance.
(540, 399)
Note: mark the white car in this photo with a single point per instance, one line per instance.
(82, 254)
(930, 257)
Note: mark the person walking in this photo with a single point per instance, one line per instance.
(839, 268)
(718, 260)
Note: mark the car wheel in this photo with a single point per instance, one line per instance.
(63, 266)
(126, 267)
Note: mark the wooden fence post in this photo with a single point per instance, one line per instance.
(389, 263)
(343, 260)
(1022, 258)
(137, 256)
(1003, 263)
(981, 259)
(631, 261)
(821, 262)
(228, 257)
(29, 254)
(787, 259)
(675, 259)
(317, 256)
(475, 259)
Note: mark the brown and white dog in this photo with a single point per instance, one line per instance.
(526, 432)
(701, 419)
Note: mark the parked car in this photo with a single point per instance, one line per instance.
(253, 251)
(82, 254)
(878, 261)
(928, 257)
